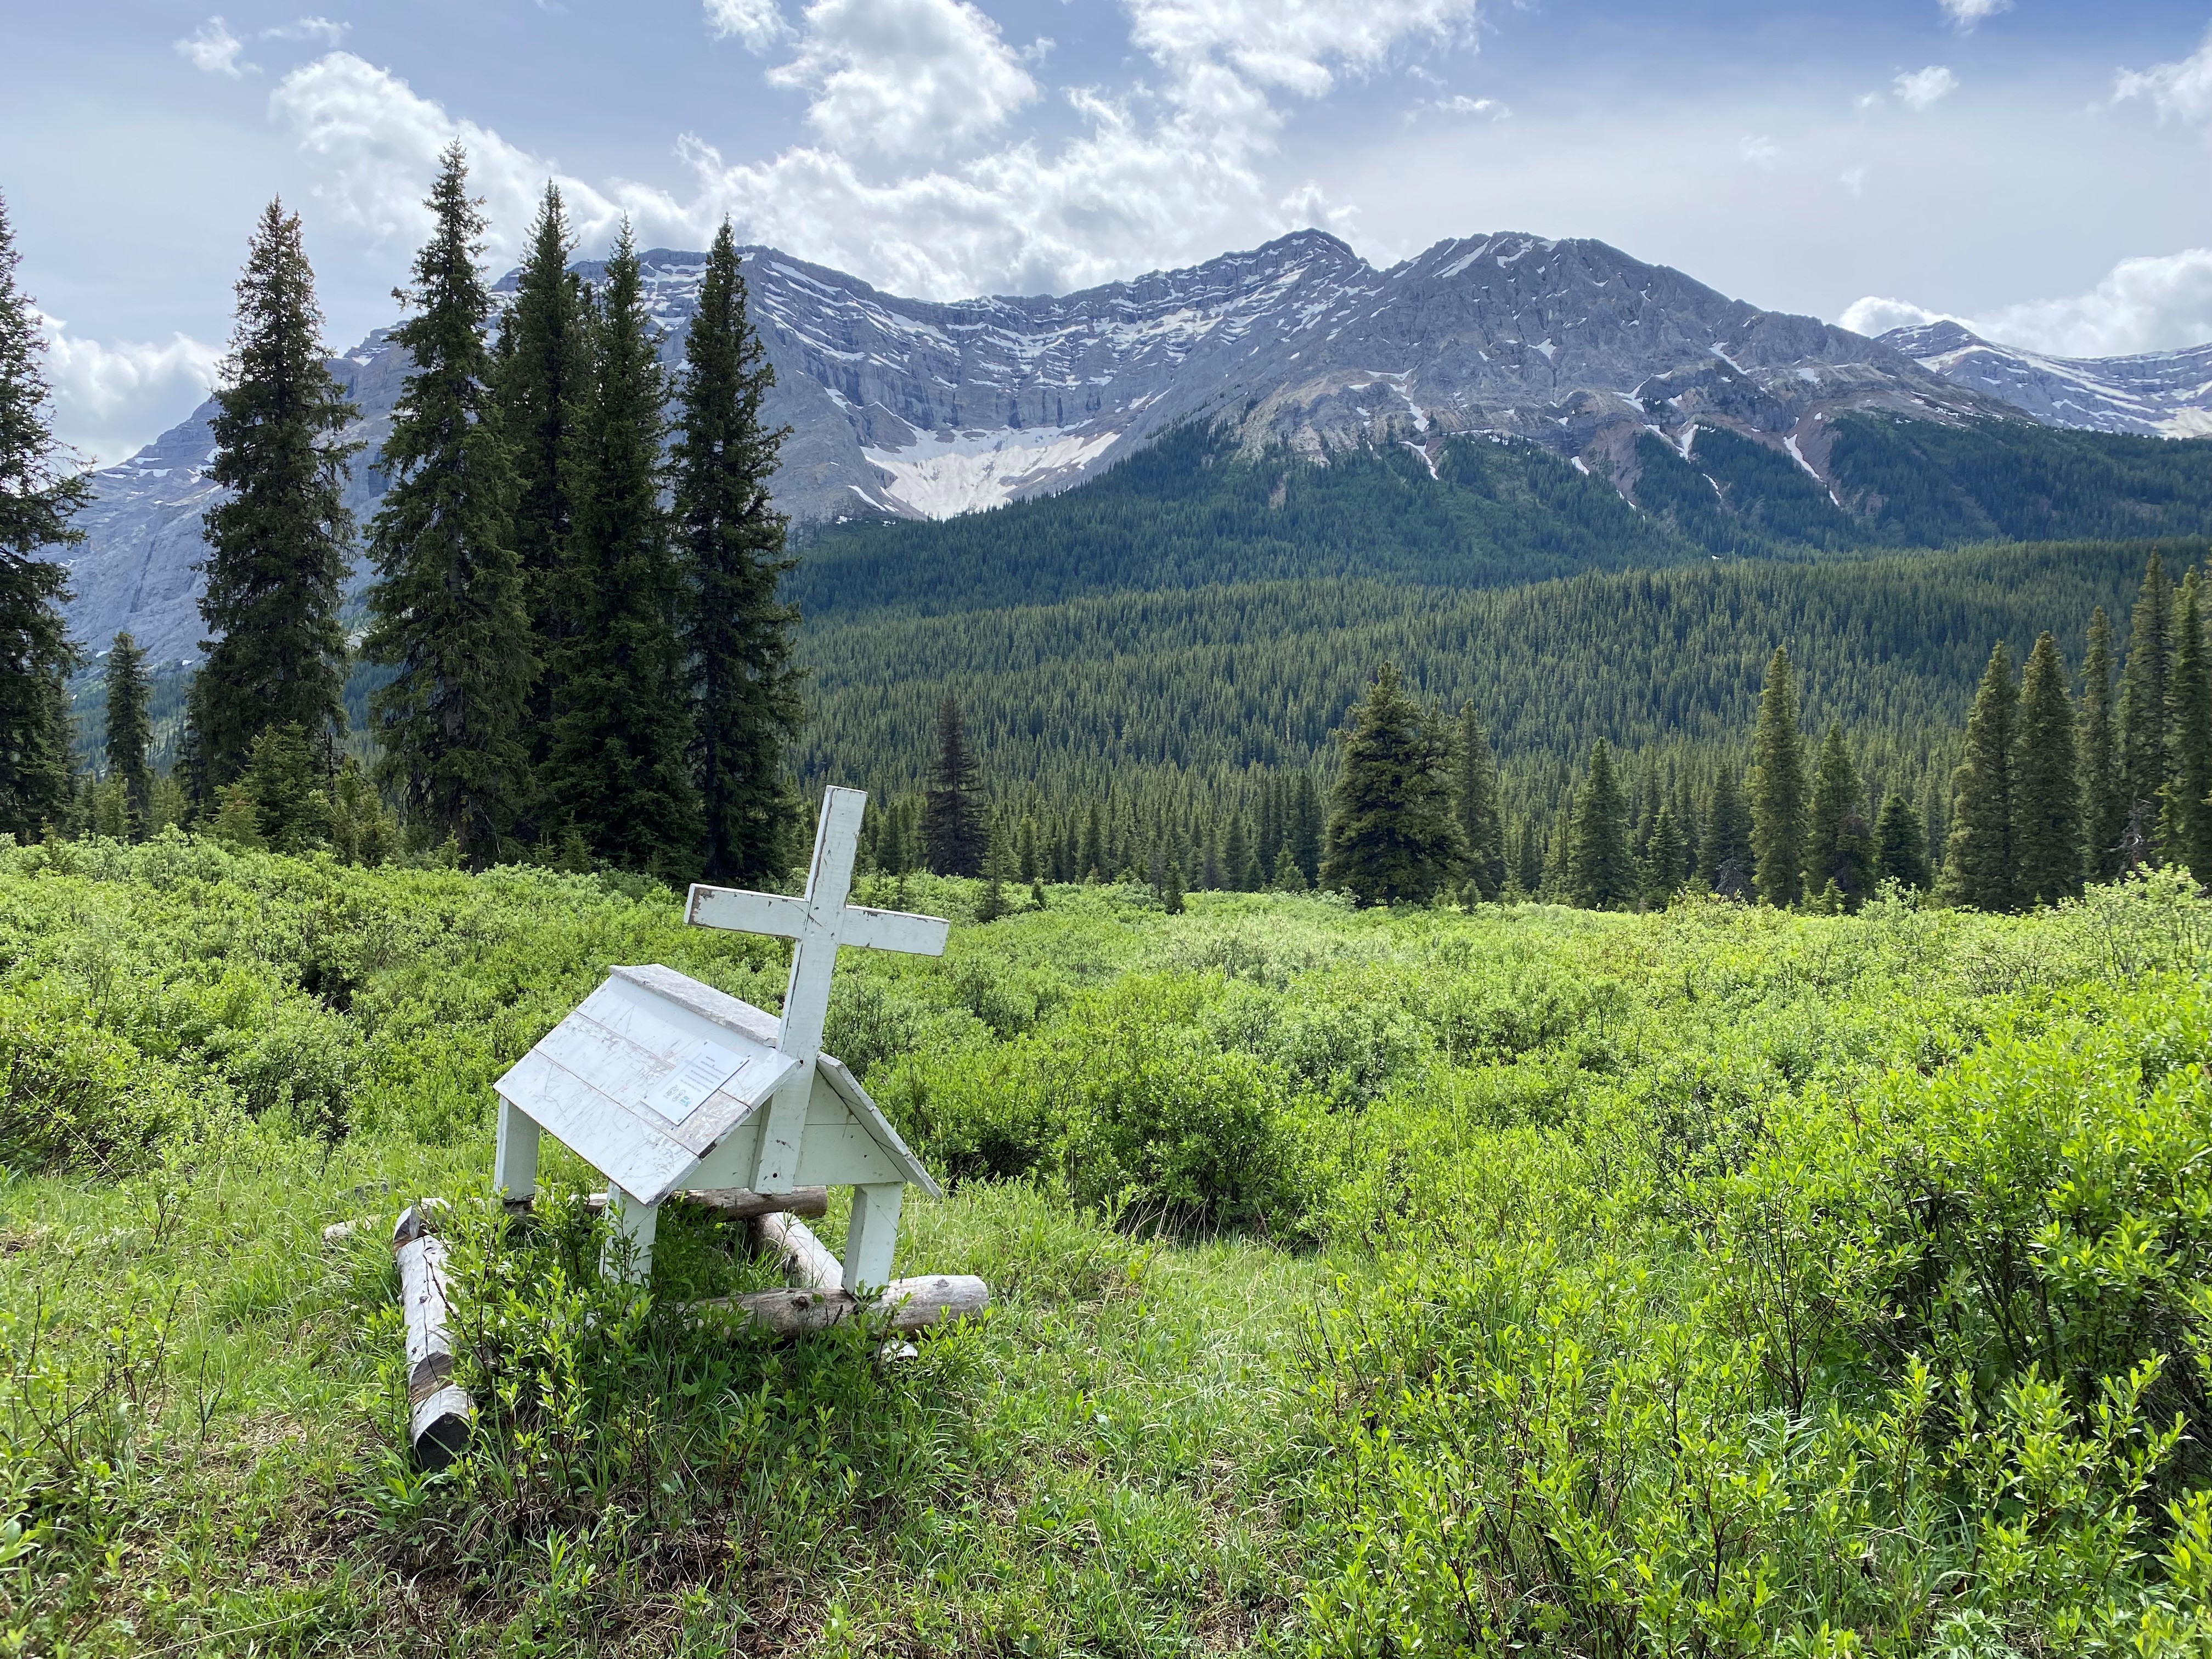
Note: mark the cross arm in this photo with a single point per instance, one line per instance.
(894, 930)
(740, 911)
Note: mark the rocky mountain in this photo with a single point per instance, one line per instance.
(910, 409)
(2164, 394)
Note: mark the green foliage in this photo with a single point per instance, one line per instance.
(1392, 833)
(1981, 863)
(2047, 795)
(1839, 841)
(449, 606)
(280, 542)
(1600, 875)
(129, 732)
(1777, 787)
(954, 835)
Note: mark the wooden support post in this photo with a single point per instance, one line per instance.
(871, 1238)
(439, 1410)
(514, 1160)
(629, 1252)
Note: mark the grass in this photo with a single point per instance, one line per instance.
(1675, 1170)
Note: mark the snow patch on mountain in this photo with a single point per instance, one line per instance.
(944, 474)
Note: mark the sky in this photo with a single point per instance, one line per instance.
(2040, 169)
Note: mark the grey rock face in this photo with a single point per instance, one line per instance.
(909, 409)
(2165, 394)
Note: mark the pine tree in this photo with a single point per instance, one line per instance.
(1480, 823)
(280, 542)
(1306, 827)
(2189, 841)
(2047, 788)
(745, 705)
(2144, 765)
(543, 373)
(447, 607)
(2104, 806)
(1726, 840)
(1236, 854)
(1777, 789)
(1171, 894)
(1935, 822)
(1600, 872)
(952, 829)
(1839, 845)
(619, 770)
(1980, 863)
(283, 779)
(1392, 835)
(1901, 840)
(130, 731)
(1665, 858)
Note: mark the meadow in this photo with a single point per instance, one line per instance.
(1714, 1281)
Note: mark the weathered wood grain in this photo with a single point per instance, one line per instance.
(907, 1305)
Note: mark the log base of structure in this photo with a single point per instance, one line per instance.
(727, 1203)
(906, 1305)
(439, 1410)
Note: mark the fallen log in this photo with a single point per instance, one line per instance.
(907, 1304)
(807, 1263)
(439, 1410)
(730, 1203)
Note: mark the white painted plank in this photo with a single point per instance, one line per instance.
(870, 1115)
(741, 911)
(719, 1007)
(894, 930)
(618, 1144)
(844, 1155)
(872, 1236)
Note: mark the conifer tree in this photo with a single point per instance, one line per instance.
(280, 542)
(1600, 872)
(447, 607)
(1236, 854)
(1935, 822)
(1306, 827)
(1777, 789)
(1901, 843)
(2046, 789)
(1980, 863)
(1481, 822)
(619, 769)
(953, 833)
(1392, 835)
(2144, 689)
(542, 372)
(1665, 858)
(1726, 840)
(38, 496)
(130, 731)
(2189, 839)
(2104, 805)
(745, 702)
(1839, 845)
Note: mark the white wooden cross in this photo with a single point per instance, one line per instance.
(661, 1083)
(816, 925)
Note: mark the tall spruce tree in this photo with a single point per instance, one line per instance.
(1601, 871)
(1980, 864)
(1481, 820)
(543, 373)
(130, 731)
(1665, 857)
(954, 835)
(745, 702)
(1306, 827)
(280, 542)
(1901, 844)
(1724, 844)
(39, 493)
(447, 608)
(2046, 784)
(2188, 836)
(2104, 803)
(1392, 835)
(1839, 841)
(1777, 787)
(619, 773)
(2144, 690)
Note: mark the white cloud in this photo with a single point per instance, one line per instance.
(1965, 14)
(1760, 151)
(905, 77)
(2181, 90)
(2155, 304)
(1924, 89)
(1170, 172)
(1853, 179)
(1463, 104)
(213, 50)
(108, 398)
(757, 23)
(320, 30)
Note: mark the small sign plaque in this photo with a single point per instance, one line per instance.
(685, 1090)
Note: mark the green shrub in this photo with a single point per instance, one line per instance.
(76, 1099)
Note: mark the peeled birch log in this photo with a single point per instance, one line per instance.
(438, 1408)
(911, 1304)
(731, 1203)
(807, 1263)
